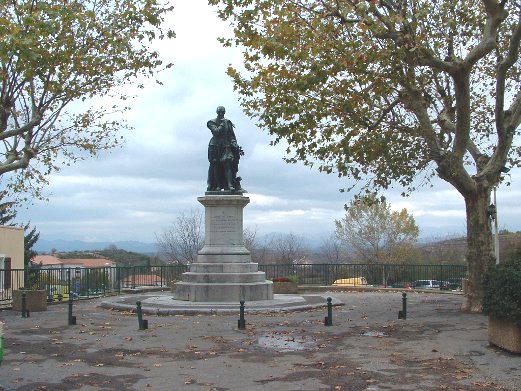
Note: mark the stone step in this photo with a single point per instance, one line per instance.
(228, 292)
(221, 278)
(223, 258)
(224, 249)
(224, 267)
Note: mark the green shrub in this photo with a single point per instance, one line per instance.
(293, 278)
(502, 296)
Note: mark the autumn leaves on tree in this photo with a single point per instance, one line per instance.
(378, 234)
(389, 93)
(55, 54)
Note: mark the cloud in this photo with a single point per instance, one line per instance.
(264, 200)
(137, 190)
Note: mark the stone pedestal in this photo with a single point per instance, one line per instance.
(223, 271)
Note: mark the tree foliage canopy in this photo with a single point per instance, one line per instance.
(376, 233)
(7, 215)
(7, 212)
(55, 53)
(381, 89)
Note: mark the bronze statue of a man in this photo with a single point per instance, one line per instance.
(223, 154)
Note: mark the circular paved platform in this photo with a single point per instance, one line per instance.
(165, 304)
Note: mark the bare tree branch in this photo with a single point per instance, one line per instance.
(183, 239)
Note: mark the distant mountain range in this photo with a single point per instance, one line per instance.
(46, 246)
(60, 245)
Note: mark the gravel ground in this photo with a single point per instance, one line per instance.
(437, 347)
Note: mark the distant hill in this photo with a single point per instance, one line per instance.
(444, 251)
(45, 246)
(455, 249)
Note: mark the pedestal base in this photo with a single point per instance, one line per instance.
(229, 292)
(223, 271)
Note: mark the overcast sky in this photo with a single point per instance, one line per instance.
(138, 190)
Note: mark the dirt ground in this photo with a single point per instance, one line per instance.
(367, 348)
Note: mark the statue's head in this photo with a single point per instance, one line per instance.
(220, 110)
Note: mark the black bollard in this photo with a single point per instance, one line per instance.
(328, 320)
(242, 321)
(72, 319)
(403, 313)
(23, 304)
(143, 324)
(404, 305)
(1, 343)
(25, 311)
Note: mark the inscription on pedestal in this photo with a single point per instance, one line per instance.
(223, 223)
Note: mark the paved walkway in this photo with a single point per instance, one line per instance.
(436, 348)
(165, 304)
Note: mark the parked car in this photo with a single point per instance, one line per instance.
(426, 284)
(444, 285)
(356, 281)
(455, 284)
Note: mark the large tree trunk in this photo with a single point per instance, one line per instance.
(480, 251)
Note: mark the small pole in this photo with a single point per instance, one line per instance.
(72, 319)
(404, 305)
(25, 311)
(403, 313)
(242, 321)
(143, 324)
(1, 342)
(328, 320)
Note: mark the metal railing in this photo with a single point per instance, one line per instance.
(93, 282)
(385, 275)
(86, 282)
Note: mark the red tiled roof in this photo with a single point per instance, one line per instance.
(89, 262)
(48, 260)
